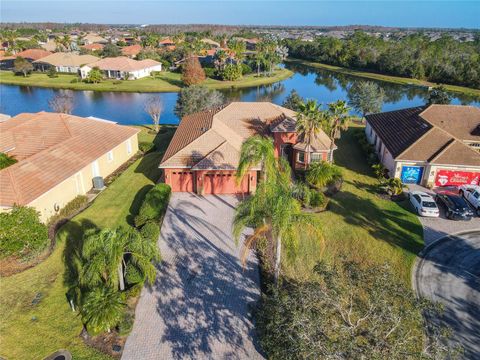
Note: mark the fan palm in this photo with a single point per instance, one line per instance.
(103, 309)
(257, 150)
(105, 254)
(338, 120)
(321, 174)
(275, 215)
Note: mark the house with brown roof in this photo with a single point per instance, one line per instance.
(435, 145)
(7, 62)
(93, 47)
(122, 68)
(132, 50)
(204, 153)
(65, 62)
(58, 157)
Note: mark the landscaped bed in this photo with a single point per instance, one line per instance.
(164, 82)
(36, 317)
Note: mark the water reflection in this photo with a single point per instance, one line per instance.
(127, 108)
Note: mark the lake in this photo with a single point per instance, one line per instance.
(127, 108)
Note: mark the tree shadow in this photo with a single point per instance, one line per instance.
(204, 297)
(136, 203)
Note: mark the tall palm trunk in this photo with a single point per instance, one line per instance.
(278, 256)
(121, 280)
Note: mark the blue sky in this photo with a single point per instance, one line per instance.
(433, 13)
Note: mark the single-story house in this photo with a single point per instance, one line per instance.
(65, 62)
(132, 50)
(93, 39)
(166, 42)
(7, 62)
(58, 157)
(204, 153)
(435, 145)
(93, 47)
(122, 68)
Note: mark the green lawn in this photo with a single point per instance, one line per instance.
(165, 82)
(29, 331)
(387, 78)
(359, 224)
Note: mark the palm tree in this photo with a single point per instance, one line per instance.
(102, 309)
(338, 120)
(257, 150)
(105, 254)
(309, 122)
(322, 174)
(274, 214)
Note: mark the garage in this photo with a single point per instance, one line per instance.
(182, 181)
(446, 177)
(223, 183)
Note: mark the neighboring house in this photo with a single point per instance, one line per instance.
(50, 45)
(58, 156)
(122, 68)
(204, 153)
(436, 145)
(211, 43)
(7, 62)
(93, 47)
(166, 42)
(93, 39)
(132, 50)
(64, 62)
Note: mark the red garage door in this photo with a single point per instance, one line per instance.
(182, 181)
(456, 178)
(223, 183)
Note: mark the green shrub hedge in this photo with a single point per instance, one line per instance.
(21, 233)
(70, 209)
(150, 231)
(154, 204)
(145, 146)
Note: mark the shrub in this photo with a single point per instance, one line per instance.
(231, 72)
(154, 205)
(318, 199)
(75, 80)
(210, 72)
(133, 275)
(21, 233)
(6, 161)
(322, 174)
(116, 82)
(126, 324)
(150, 231)
(69, 209)
(52, 72)
(246, 69)
(146, 146)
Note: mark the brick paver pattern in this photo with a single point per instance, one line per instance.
(200, 306)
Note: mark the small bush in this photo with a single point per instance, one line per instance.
(210, 72)
(70, 209)
(133, 275)
(145, 146)
(126, 324)
(21, 233)
(246, 69)
(75, 80)
(150, 231)
(318, 199)
(116, 82)
(139, 221)
(154, 205)
(52, 72)
(6, 161)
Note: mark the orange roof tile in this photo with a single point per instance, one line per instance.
(33, 54)
(51, 148)
(123, 63)
(131, 50)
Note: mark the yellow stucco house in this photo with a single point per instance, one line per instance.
(58, 157)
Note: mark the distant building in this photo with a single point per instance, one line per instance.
(93, 39)
(122, 68)
(7, 62)
(94, 47)
(132, 50)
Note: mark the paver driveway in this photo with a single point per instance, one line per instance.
(449, 272)
(199, 307)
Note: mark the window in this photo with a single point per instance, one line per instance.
(316, 157)
(110, 156)
(129, 146)
(301, 157)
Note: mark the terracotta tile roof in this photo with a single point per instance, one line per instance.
(33, 54)
(213, 139)
(320, 142)
(94, 47)
(50, 148)
(67, 59)
(132, 50)
(123, 63)
(166, 41)
(94, 38)
(435, 134)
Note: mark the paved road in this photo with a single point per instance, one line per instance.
(449, 272)
(199, 307)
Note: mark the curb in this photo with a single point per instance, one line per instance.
(420, 258)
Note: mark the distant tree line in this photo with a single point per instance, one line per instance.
(444, 60)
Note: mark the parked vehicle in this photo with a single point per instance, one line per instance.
(424, 204)
(472, 194)
(456, 208)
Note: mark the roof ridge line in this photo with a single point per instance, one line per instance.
(442, 151)
(420, 138)
(14, 186)
(208, 154)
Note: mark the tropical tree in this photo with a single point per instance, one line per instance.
(322, 174)
(220, 60)
(293, 101)
(257, 151)
(192, 71)
(111, 50)
(197, 98)
(105, 255)
(102, 309)
(310, 119)
(238, 48)
(22, 66)
(366, 97)
(154, 108)
(337, 120)
(94, 76)
(439, 95)
(275, 215)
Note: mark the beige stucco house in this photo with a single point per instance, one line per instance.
(58, 157)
